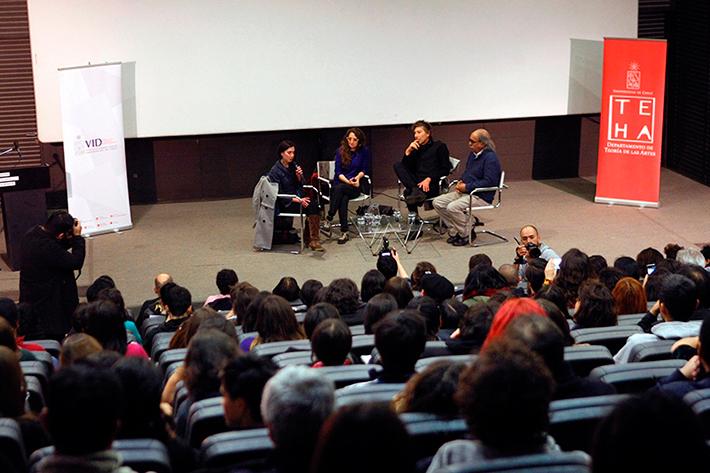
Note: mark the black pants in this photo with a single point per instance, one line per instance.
(409, 180)
(340, 196)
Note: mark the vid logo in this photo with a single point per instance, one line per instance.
(631, 119)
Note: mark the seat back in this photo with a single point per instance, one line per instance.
(652, 351)
(205, 418)
(290, 358)
(326, 169)
(11, 443)
(557, 462)
(248, 449)
(629, 319)
(144, 455)
(169, 357)
(161, 343)
(435, 348)
(573, 421)
(150, 322)
(611, 337)
(635, 377)
(349, 374)
(367, 393)
(35, 394)
(37, 369)
(429, 431)
(584, 358)
(274, 348)
(699, 401)
(52, 346)
(362, 345)
(422, 363)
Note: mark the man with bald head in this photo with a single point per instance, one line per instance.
(531, 246)
(482, 170)
(154, 306)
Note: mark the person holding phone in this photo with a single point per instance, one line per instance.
(289, 177)
(50, 254)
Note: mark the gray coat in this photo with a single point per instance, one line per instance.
(263, 202)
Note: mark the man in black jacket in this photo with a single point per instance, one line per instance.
(50, 255)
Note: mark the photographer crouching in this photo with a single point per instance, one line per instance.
(530, 246)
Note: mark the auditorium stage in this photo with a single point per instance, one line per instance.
(194, 240)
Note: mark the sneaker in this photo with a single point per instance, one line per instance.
(460, 241)
(343, 239)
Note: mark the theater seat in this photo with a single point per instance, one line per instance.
(11, 443)
(558, 462)
(150, 322)
(46, 359)
(429, 431)
(635, 377)
(573, 421)
(53, 347)
(651, 351)
(293, 358)
(247, 449)
(362, 345)
(699, 401)
(611, 337)
(367, 393)
(270, 349)
(161, 343)
(630, 319)
(584, 358)
(205, 418)
(422, 363)
(346, 375)
(171, 357)
(35, 394)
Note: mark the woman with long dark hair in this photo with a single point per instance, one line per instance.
(352, 163)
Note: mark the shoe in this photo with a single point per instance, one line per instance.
(460, 241)
(416, 197)
(314, 233)
(452, 239)
(343, 239)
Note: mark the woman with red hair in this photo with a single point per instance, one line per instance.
(629, 297)
(511, 309)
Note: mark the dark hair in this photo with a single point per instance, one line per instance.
(114, 295)
(345, 153)
(475, 324)
(705, 250)
(596, 306)
(219, 323)
(7, 335)
(316, 314)
(429, 309)
(242, 294)
(370, 428)
(102, 282)
(542, 336)
(283, 146)
(432, 390)
(624, 439)
(479, 258)
(83, 409)
(104, 359)
(142, 387)
(277, 322)
(610, 277)
(377, 308)
(226, 279)
(179, 300)
(649, 256)
(309, 289)
(535, 273)
(679, 296)
(164, 292)
(483, 280)
(654, 281)
(105, 323)
(184, 333)
(12, 388)
(60, 221)
(508, 385)
(400, 339)
(701, 278)
(287, 288)
(331, 342)
(251, 316)
(420, 270)
(597, 263)
(343, 294)
(245, 377)
(423, 124)
(574, 270)
(628, 266)
(452, 312)
(8, 311)
(387, 266)
(558, 318)
(671, 250)
(704, 339)
(372, 284)
(399, 288)
(207, 353)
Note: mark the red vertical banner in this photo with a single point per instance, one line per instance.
(631, 123)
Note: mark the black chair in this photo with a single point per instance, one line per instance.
(652, 351)
(584, 358)
(171, 356)
(630, 319)
(558, 462)
(573, 421)
(349, 374)
(699, 401)
(635, 377)
(293, 358)
(45, 358)
(611, 337)
(362, 345)
(38, 370)
(422, 363)
(429, 431)
(11, 443)
(268, 350)
(35, 394)
(435, 348)
(205, 418)
(51, 346)
(181, 394)
(248, 449)
(367, 393)
(161, 343)
(150, 322)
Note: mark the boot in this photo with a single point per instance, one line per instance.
(314, 233)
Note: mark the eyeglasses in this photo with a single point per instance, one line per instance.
(473, 141)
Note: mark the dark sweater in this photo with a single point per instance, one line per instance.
(430, 160)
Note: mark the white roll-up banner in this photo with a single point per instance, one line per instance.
(94, 151)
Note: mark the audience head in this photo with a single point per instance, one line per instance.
(243, 380)
(535, 274)
(431, 311)
(60, 224)
(628, 266)
(277, 322)
(331, 342)
(478, 258)
(475, 324)
(251, 316)
(690, 256)
(558, 318)
(377, 308)
(422, 268)
(452, 311)
(432, 389)
(509, 273)
(541, 335)
(161, 280)
(164, 292)
(373, 282)
(574, 269)
(8, 311)
(242, 294)
(343, 294)
(7, 336)
(208, 352)
(226, 279)
(102, 282)
(400, 339)
(105, 324)
(671, 250)
(387, 266)
(179, 301)
(629, 297)
(483, 280)
(511, 309)
(610, 277)
(184, 333)
(653, 283)
(597, 263)
(628, 438)
(288, 289)
(104, 359)
(701, 278)
(296, 402)
(437, 287)
(316, 314)
(12, 387)
(142, 386)
(508, 385)
(83, 409)
(371, 428)
(648, 256)
(595, 306)
(678, 298)
(77, 347)
(399, 288)
(114, 295)
(309, 290)
(706, 253)
(554, 294)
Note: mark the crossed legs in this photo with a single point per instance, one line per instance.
(453, 209)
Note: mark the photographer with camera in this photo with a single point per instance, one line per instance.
(530, 246)
(50, 255)
(388, 262)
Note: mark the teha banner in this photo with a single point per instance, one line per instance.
(94, 151)
(631, 123)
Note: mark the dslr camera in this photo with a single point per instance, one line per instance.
(533, 252)
(385, 250)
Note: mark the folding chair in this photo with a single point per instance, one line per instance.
(326, 174)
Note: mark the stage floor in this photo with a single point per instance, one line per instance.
(194, 240)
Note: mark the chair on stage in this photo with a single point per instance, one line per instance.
(326, 174)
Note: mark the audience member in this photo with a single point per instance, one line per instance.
(377, 308)
(277, 322)
(373, 282)
(648, 256)
(531, 246)
(574, 270)
(331, 343)
(594, 307)
(671, 250)
(316, 314)
(105, 323)
(114, 295)
(706, 253)
(558, 318)
(422, 268)
(287, 288)
(556, 295)
(478, 258)
(472, 330)
(432, 390)
(508, 311)
(430, 310)
(243, 380)
(226, 279)
(296, 402)
(251, 317)
(701, 278)
(400, 289)
(400, 339)
(690, 256)
(9, 312)
(610, 277)
(77, 346)
(184, 333)
(510, 274)
(309, 289)
(652, 284)
(629, 297)
(437, 287)
(481, 283)
(102, 282)
(344, 295)
(597, 264)
(179, 304)
(244, 292)
(154, 306)
(535, 275)
(628, 266)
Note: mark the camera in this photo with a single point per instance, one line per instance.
(385, 250)
(533, 250)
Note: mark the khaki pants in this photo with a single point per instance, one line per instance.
(453, 209)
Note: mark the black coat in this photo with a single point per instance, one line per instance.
(47, 284)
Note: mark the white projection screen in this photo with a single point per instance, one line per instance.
(204, 67)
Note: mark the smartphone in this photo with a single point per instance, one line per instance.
(386, 253)
(650, 268)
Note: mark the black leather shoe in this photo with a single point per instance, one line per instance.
(460, 241)
(452, 239)
(416, 197)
